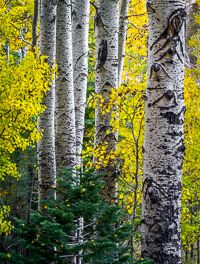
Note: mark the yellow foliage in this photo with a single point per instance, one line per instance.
(22, 87)
(191, 167)
(5, 226)
(23, 83)
(15, 23)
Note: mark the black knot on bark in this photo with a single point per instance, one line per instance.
(78, 26)
(53, 20)
(156, 67)
(154, 195)
(169, 94)
(172, 51)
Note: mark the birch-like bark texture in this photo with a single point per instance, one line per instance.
(46, 146)
(164, 136)
(80, 29)
(65, 110)
(106, 35)
(122, 35)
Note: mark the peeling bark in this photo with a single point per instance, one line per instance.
(106, 33)
(65, 110)
(46, 146)
(164, 136)
(80, 28)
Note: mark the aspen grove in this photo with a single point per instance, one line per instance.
(99, 131)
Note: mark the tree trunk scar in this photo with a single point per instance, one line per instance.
(153, 189)
(53, 20)
(102, 53)
(173, 118)
(80, 57)
(106, 84)
(171, 34)
(171, 51)
(98, 20)
(156, 67)
(168, 95)
(74, 14)
(181, 147)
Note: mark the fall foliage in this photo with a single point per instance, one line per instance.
(25, 77)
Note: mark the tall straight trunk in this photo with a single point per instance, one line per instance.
(122, 35)
(106, 35)
(46, 146)
(80, 28)
(164, 137)
(65, 111)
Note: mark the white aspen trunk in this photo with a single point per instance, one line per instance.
(80, 29)
(79, 258)
(122, 35)
(65, 110)
(106, 34)
(164, 136)
(46, 146)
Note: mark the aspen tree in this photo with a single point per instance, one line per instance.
(65, 112)
(80, 28)
(164, 138)
(122, 35)
(106, 35)
(46, 146)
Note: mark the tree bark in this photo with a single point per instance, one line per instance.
(164, 136)
(65, 110)
(122, 35)
(106, 35)
(46, 146)
(80, 28)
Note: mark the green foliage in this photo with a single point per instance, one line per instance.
(52, 235)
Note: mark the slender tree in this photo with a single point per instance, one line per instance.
(164, 137)
(122, 35)
(106, 34)
(65, 112)
(80, 28)
(46, 146)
